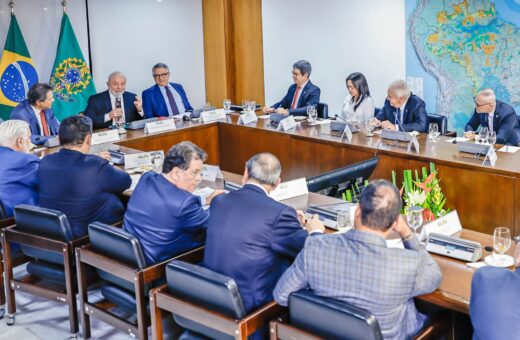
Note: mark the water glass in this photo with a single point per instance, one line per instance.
(245, 104)
(492, 137)
(312, 114)
(343, 221)
(415, 217)
(252, 106)
(433, 131)
(483, 134)
(227, 105)
(119, 122)
(501, 241)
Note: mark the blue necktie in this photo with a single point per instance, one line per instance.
(173, 105)
(398, 117)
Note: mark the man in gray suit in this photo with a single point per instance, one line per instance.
(357, 267)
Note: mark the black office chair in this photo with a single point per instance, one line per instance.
(442, 122)
(46, 240)
(206, 303)
(323, 110)
(3, 213)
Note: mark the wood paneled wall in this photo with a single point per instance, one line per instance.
(233, 50)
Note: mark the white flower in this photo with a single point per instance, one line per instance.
(416, 197)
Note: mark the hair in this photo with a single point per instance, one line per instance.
(115, 74)
(487, 95)
(180, 155)
(74, 129)
(400, 89)
(160, 65)
(380, 205)
(38, 93)
(304, 66)
(360, 83)
(264, 168)
(10, 130)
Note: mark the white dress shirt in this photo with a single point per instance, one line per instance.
(37, 114)
(361, 115)
(176, 97)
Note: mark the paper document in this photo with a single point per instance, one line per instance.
(203, 193)
(457, 139)
(322, 122)
(509, 149)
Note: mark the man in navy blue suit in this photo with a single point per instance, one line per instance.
(301, 94)
(115, 102)
(84, 187)
(403, 111)
(164, 98)
(36, 111)
(497, 116)
(163, 213)
(18, 167)
(493, 304)
(253, 238)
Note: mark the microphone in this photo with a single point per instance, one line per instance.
(377, 147)
(118, 103)
(397, 121)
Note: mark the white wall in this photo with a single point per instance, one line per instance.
(337, 37)
(126, 35)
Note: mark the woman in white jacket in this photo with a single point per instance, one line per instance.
(358, 107)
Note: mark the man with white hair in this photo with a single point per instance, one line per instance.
(495, 115)
(403, 111)
(18, 167)
(115, 102)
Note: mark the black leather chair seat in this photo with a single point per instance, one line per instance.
(188, 335)
(54, 272)
(119, 296)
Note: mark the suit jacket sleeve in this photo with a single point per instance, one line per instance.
(147, 104)
(194, 217)
(506, 127)
(291, 281)
(473, 122)
(313, 98)
(97, 119)
(429, 274)
(184, 97)
(113, 180)
(288, 237)
(284, 103)
(420, 122)
(383, 112)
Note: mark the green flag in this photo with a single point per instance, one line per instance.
(17, 72)
(70, 77)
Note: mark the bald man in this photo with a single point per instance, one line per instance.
(495, 115)
(103, 107)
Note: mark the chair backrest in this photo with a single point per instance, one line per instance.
(331, 319)
(442, 122)
(205, 288)
(3, 213)
(119, 245)
(323, 110)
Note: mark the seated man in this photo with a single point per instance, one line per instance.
(163, 213)
(495, 115)
(84, 187)
(164, 98)
(104, 107)
(253, 238)
(493, 302)
(18, 167)
(357, 267)
(403, 111)
(36, 111)
(301, 94)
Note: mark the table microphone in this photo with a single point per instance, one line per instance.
(118, 103)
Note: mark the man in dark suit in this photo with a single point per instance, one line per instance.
(18, 167)
(36, 111)
(403, 111)
(164, 98)
(301, 94)
(253, 238)
(495, 115)
(115, 102)
(84, 187)
(163, 213)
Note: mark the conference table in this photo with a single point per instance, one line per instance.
(484, 196)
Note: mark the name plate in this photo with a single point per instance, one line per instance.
(160, 126)
(213, 115)
(414, 143)
(248, 117)
(136, 160)
(211, 172)
(347, 133)
(290, 189)
(105, 137)
(491, 156)
(447, 225)
(287, 123)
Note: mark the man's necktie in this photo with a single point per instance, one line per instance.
(45, 127)
(398, 117)
(295, 98)
(173, 105)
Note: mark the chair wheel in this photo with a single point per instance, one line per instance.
(2, 312)
(10, 320)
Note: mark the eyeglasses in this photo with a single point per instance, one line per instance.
(161, 75)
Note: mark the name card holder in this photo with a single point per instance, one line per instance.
(414, 143)
(290, 189)
(162, 125)
(136, 160)
(105, 137)
(446, 225)
(347, 133)
(213, 115)
(248, 117)
(491, 156)
(211, 172)
(287, 123)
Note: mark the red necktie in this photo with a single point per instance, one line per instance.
(45, 127)
(295, 98)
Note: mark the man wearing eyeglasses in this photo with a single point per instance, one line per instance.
(164, 99)
(497, 116)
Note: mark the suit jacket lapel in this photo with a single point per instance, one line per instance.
(108, 103)
(32, 118)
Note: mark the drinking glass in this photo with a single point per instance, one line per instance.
(252, 106)
(433, 131)
(483, 135)
(501, 242)
(227, 105)
(245, 104)
(343, 221)
(415, 217)
(119, 122)
(492, 137)
(312, 113)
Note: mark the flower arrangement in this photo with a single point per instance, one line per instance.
(424, 191)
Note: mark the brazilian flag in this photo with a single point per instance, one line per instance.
(70, 77)
(17, 72)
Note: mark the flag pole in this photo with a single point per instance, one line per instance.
(11, 4)
(64, 4)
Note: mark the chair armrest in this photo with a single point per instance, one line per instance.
(80, 241)
(7, 222)
(262, 316)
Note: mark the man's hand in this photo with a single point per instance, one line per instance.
(301, 217)
(402, 228)
(266, 109)
(105, 154)
(115, 113)
(213, 195)
(138, 104)
(374, 122)
(469, 134)
(389, 126)
(282, 111)
(314, 225)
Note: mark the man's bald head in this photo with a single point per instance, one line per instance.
(380, 205)
(485, 101)
(264, 168)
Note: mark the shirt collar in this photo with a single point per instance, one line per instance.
(303, 85)
(404, 105)
(364, 237)
(36, 111)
